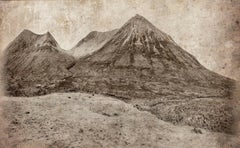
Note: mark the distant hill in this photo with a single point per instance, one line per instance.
(91, 43)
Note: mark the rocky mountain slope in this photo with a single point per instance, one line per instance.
(33, 62)
(140, 46)
(82, 120)
(144, 66)
(91, 43)
(140, 57)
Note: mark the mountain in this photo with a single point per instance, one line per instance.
(138, 43)
(34, 61)
(137, 40)
(141, 49)
(145, 67)
(137, 63)
(92, 42)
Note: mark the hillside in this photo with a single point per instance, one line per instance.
(34, 61)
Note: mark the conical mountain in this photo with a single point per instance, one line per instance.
(145, 67)
(140, 51)
(139, 43)
(34, 60)
(91, 43)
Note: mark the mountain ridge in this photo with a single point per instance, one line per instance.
(140, 49)
(143, 66)
(34, 60)
(140, 35)
(137, 63)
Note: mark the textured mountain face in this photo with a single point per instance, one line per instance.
(140, 45)
(91, 43)
(34, 60)
(141, 61)
(144, 66)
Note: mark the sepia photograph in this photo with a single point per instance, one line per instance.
(120, 74)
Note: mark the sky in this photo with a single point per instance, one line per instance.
(208, 29)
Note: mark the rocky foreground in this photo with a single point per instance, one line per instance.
(87, 120)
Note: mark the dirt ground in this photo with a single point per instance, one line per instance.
(86, 120)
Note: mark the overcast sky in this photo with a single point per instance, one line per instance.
(208, 29)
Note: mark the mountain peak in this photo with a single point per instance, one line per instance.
(139, 43)
(26, 33)
(25, 37)
(46, 39)
(31, 38)
(48, 34)
(137, 16)
(138, 19)
(140, 25)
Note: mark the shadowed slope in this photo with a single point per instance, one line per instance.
(34, 61)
